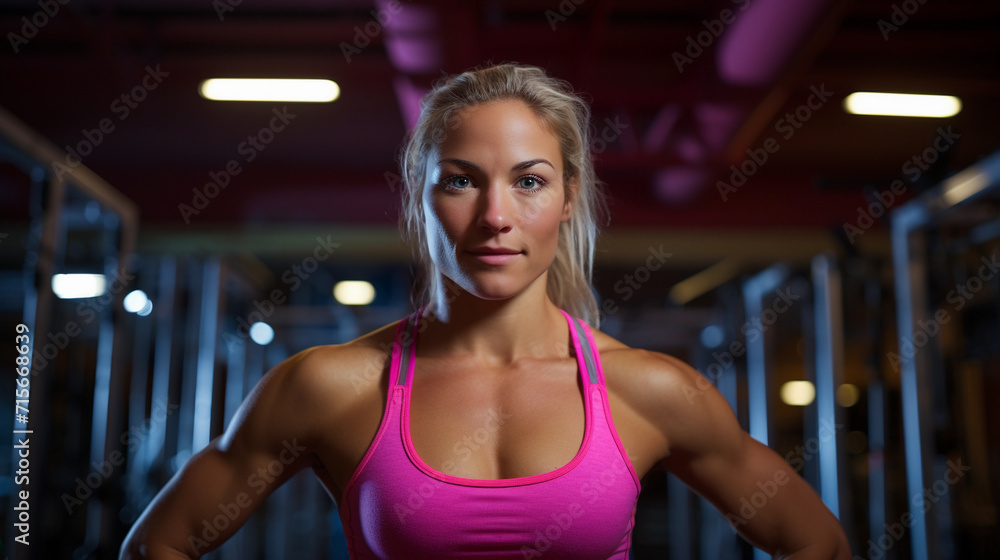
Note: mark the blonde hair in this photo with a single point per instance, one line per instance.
(568, 116)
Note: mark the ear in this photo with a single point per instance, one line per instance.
(572, 188)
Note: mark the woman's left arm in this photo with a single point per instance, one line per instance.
(759, 494)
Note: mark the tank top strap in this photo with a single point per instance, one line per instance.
(403, 350)
(583, 345)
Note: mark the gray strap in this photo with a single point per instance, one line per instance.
(404, 351)
(588, 354)
(409, 333)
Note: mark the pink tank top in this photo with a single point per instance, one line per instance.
(397, 507)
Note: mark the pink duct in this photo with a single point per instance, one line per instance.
(753, 51)
(414, 49)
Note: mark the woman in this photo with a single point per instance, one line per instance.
(493, 422)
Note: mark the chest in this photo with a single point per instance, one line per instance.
(476, 423)
(479, 488)
(490, 424)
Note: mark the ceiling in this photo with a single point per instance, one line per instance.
(674, 125)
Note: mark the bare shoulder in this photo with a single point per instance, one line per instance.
(346, 369)
(643, 377)
(669, 394)
(318, 383)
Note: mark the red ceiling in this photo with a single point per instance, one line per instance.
(681, 128)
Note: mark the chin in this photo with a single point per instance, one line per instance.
(494, 285)
(494, 290)
(491, 285)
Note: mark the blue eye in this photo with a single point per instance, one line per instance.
(530, 182)
(457, 182)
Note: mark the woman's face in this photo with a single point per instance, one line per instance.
(494, 199)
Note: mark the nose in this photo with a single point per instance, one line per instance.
(495, 209)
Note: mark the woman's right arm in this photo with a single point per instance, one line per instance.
(219, 487)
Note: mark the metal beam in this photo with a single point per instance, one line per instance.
(828, 302)
(909, 262)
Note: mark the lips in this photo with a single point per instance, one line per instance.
(495, 255)
(494, 251)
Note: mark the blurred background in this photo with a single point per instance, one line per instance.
(834, 274)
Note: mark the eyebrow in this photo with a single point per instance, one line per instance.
(518, 167)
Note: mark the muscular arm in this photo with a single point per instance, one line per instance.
(264, 446)
(766, 501)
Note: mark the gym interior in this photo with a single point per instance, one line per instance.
(826, 255)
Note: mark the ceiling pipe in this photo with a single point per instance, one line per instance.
(759, 44)
(767, 45)
(820, 20)
(412, 43)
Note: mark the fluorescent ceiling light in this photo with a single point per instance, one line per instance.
(73, 286)
(902, 104)
(354, 292)
(246, 89)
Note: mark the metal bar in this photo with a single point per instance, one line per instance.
(829, 375)
(236, 352)
(754, 290)
(139, 430)
(189, 368)
(908, 260)
(107, 398)
(155, 446)
(877, 495)
(211, 288)
(680, 538)
(23, 138)
(911, 293)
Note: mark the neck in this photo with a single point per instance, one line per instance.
(498, 332)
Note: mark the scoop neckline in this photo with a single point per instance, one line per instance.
(411, 450)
